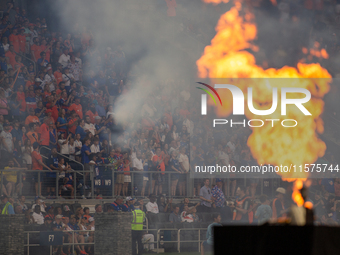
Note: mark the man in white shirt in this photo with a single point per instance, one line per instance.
(95, 147)
(41, 203)
(49, 79)
(67, 77)
(64, 58)
(184, 160)
(151, 206)
(137, 165)
(37, 215)
(89, 126)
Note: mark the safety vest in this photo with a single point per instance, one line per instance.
(238, 216)
(5, 209)
(274, 214)
(138, 217)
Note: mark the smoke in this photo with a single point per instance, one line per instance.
(155, 48)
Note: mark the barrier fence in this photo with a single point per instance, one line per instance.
(29, 234)
(106, 181)
(158, 241)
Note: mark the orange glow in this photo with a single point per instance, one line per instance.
(304, 50)
(309, 205)
(273, 2)
(228, 56)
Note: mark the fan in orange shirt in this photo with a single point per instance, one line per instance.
(31, 118)
(92, 113)
(22, 41)
(36, 49)
(32, 135)
(11, 55)
(30, 82)
(21, 98)
(76, 106)
(58, 75)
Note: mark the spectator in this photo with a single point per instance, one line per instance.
(98, 208)
(21, 202)
(41, 203)
(206, 197)
(175, 216)
(218, 196)
(186, 215)
(8, 207)
(264, 211)
(152, 209)
(163, 206)
(128, 206)
(117, 205)
(64, 58)
(37, 164)
(7, 145)
(208, 244)
(243, 205)
(86, 215)
(175, 166)
(278, 208)
(159, 166)
(38, 217)
(11, 175)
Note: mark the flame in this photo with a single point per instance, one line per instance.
(315, 52)
(273, 2)
(227, 57)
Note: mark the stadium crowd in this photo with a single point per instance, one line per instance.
(58, 96)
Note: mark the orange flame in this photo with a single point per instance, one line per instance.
(227, 57)
(273, 2)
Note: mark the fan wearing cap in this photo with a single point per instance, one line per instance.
(278, 206)
(50, 212)
(47, 226)
(128, 206)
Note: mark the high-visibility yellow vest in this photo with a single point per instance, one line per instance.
(138, 217)
(5, 209)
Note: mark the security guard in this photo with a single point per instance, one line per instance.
(138, 217)
(8, 208)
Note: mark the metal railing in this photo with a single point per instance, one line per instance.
(158, 240)
(28, 244)
(109, 180)
(28, 59)
(69, 159)
(22, 172)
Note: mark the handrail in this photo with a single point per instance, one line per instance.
(34, 65)
(48, 148)
(158, 237)
(64, 244)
